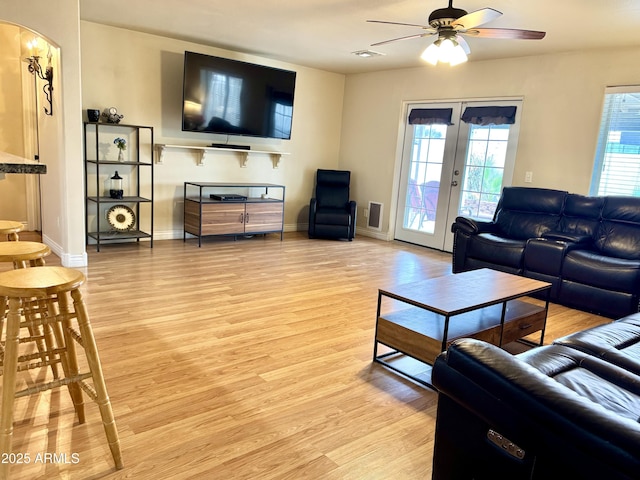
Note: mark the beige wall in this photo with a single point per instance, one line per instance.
(141, 75)
(562, 94)
(13, 205)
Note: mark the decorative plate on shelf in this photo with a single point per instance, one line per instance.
(121, 218)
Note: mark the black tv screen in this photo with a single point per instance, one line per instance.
(236, 98)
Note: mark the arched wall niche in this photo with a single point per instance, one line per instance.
(58, 136)
(22, 97)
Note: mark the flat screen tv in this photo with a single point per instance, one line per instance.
(236, 98)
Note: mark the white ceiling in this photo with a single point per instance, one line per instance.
(324, 33)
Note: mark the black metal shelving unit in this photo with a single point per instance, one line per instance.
(98, 147)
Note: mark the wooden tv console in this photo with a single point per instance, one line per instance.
(261, 212)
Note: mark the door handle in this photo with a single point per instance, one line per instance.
(454, 183)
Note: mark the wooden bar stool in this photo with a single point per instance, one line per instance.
(40, 296)
(21, 255)
(10, 229)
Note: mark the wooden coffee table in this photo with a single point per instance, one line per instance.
(421, 319)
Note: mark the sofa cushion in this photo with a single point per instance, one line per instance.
(534, 200)
(602, 271)
(497, 249)
(581, 215)
(333, 216)
(330, 197)
(619, 231)
(619, 239)
(604, 384)
(528, 212)
(616, 342)
(525, 225)
(622, 209)
(332, 188)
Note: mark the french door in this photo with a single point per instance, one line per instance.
(453, 168)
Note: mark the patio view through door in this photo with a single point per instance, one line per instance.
(456, 159)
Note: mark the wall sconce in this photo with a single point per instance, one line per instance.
(35, 68)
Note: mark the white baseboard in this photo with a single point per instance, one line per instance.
(367, 232)
(77, 261)
(67, 260)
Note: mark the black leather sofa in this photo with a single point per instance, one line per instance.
(588, 248)
(564, 411)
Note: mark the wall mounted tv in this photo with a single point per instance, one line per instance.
(236, 98)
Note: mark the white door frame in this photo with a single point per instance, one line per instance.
(402, 126)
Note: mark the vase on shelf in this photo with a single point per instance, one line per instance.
(120, 156)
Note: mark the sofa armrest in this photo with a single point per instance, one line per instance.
(352, 209)
(473, 227)
(313, 205)
(568, 237)
(546, 255)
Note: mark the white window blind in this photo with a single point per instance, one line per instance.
(617, 163)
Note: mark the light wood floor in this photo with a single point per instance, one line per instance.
(246, 360)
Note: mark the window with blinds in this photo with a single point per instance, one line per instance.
(617, 163)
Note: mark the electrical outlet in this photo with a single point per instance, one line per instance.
(528, 177)
(365, 212)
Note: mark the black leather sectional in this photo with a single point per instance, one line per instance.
(566, 410)
(588, 248)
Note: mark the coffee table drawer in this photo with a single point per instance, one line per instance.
(420, 333)
(521, 327)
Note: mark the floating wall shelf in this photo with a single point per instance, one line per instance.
(205, 152)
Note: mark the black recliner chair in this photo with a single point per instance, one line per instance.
(331, 213)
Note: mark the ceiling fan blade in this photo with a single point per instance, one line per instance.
(509, 33)
(473, 19)
(399, 23)
(408, 37)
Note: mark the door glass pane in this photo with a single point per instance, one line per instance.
(423, 187)
(483, 170)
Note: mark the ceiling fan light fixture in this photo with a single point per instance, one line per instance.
(457, 55)
(431, 54)
(445, 51)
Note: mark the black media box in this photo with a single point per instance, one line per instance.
(228, 197)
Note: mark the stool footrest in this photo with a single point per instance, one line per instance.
(54, 384)
(32, 356)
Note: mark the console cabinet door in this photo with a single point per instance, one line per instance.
(263, 217)
(225, 218)
(192, 217)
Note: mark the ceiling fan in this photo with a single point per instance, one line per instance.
(449, 24)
